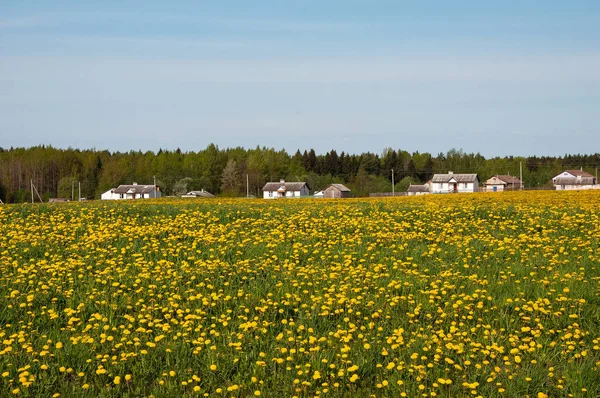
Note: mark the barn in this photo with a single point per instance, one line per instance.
(336, 191)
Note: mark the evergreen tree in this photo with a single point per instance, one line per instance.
(312, 161)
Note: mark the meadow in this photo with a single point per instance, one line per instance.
(478, 295)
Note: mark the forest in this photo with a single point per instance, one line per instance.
(57, 173)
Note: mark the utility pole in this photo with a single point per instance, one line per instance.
(31, 187)
(393, 185)
(72, 191)
(79, 199)
(521, 173)
(154, 187)
(247, 186)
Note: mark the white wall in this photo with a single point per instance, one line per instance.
(490, 187)
(562, 175)
(109, 195)
(270, 194)
(446, 187)
(288, 194)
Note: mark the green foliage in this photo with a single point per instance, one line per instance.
(67, 188)
(182, 186)
(53, 170)
(231, 183)
(403, 185)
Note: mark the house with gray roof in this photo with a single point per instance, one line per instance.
(283, 189)
(133, 191)
(198, 194)
(416, 189)
(454, 183)
(570, 180)
(499, 183)
(336, 191)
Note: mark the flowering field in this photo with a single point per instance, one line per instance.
(457, 295)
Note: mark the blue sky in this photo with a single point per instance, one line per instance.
(502, 78)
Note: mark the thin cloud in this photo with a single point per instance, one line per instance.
(21, 22)
(505, 68)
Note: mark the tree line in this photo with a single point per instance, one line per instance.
(58, 172)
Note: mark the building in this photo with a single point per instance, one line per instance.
(198, 194)
(133, 191)
(110, 195)
(336, 191)
(282, 189)
(499, 183)
(319, 194)
(574, 180)
(414, 190)
(454, 183)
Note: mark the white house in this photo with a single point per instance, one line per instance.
(133, 191)
(319, 194)
(454, 183)
(574, 180)
(414, 190)
(110, 195)
(499, 183)
(198, 194)
(282, 189)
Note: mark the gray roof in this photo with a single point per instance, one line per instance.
(418, 188)
(574, 181)
(579, 173)
(200, 194)
(341, 187)
(137, 189)
(288, 186)
(458, 177)
(507, 179)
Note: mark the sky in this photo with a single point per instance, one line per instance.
(499, 78)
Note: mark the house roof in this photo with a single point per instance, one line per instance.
(341, 187)
(418, 188)
(458, 177)
(507, 179)
(575, 181)
(287, 186)
(579, 173)
(137, 189)
(200, 194)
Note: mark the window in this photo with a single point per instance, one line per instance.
(465, 185)
(441, 185)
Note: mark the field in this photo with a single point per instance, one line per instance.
(457, 295)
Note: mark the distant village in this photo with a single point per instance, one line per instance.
(447, 183)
